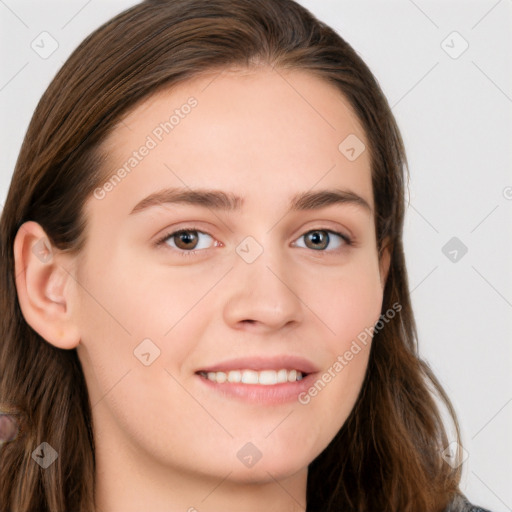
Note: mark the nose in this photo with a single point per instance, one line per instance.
(263, 295)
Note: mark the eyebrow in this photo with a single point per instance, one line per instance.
(219, 200)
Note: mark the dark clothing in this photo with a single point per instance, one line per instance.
(461, 504)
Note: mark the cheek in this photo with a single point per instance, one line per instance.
(117, 313)
(124, 299)
(127, 310)
(349, 301)
(348, 307)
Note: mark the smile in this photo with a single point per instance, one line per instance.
(264, 377)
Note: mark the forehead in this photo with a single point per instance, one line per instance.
(264, 134)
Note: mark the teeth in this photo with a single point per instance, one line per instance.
(265, 377)
(249, 377)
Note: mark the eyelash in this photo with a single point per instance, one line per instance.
(188, 254)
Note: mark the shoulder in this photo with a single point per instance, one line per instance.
(473, 508)
(461, 504)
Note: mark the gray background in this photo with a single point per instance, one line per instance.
(454, 109)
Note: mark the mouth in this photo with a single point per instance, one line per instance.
(258, 380)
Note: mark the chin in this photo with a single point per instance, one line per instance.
(267, 471)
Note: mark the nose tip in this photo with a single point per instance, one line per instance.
(261, 293)
(262, 299)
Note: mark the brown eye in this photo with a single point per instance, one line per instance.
(185, 239)
(187, 242)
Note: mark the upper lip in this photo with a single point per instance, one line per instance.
(263, 363)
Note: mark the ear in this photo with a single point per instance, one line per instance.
(384, 261)
(45, 286)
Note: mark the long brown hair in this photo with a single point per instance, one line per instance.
(387, 456)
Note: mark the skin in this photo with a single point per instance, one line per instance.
(162, 438)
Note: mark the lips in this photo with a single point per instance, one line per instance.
(262, 387)
(287, 362)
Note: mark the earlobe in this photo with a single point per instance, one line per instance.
(385, 261)
(45, 287)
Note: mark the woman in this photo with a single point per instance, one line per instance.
(272, 367)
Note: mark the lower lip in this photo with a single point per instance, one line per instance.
(260, 394)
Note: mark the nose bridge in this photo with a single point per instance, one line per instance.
(263, 290)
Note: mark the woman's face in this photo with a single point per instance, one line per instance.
(262, 282)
